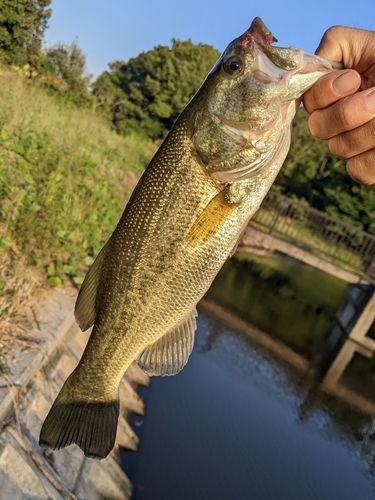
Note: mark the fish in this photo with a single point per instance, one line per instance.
(182, 222)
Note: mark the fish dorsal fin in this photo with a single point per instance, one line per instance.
(85, 310)
(169, 354)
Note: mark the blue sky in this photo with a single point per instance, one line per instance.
(119, 29)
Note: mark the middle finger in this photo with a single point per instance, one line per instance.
(347, 114)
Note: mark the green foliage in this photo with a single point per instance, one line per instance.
(64, 180)
(65, 71)
(312, 173)
(22, 25)
(146, 94)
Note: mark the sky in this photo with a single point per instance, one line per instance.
(110, 30)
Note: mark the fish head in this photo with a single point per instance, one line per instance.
(247, 104)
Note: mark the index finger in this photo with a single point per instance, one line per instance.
(354, 47)
(330, 89)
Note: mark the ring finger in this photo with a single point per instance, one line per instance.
(354, 142)
(362, 167)
(346, 114)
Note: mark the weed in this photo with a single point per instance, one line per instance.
(64, 181)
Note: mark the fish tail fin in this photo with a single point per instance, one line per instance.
(90, 425)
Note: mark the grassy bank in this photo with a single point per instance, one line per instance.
(65, 177)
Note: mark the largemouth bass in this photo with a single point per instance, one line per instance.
(180, 225)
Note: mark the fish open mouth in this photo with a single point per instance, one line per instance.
(278, 64)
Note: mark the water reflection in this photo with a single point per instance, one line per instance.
(305, 309)
(281, 296)
(255, 415)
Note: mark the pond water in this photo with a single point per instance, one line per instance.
(247, 418)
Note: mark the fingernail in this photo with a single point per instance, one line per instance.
(346, 83)
(370, 101)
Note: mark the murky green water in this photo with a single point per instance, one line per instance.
(247, 418)
(281, 296)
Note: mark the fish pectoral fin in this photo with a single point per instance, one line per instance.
(85, 310)
(212, 219)
(170, 353)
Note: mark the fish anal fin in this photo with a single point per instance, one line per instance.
(169, 354)
(85, 310)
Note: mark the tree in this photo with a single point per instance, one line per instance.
(22, 26)
(311, 172)
(65, 70)
(147, 93)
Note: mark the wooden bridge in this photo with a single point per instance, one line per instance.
(303, 232)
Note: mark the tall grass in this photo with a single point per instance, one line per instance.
(65, 177)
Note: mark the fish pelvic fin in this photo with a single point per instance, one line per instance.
(169, 354)
(85, 308)
(90, 425)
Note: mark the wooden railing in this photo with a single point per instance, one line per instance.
(294, 222)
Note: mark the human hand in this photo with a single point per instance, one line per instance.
(342, 103)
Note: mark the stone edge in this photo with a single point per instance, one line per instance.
(57, 318)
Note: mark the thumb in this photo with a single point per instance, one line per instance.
(355, 48)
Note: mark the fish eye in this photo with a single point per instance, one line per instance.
(233, 65)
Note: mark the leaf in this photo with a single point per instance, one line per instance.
(78, 280)
(54, 281)
(17, 148)
(88, 260)
(51, 271)
(6, 242)
(61, 233)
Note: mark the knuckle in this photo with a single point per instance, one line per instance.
(314, 125)
(311, 124)
(365, 138)
(370, 134)
(353, 170)
(339, 147)
(361, 168)
(344, 115)
(316, 98)
(332, 33)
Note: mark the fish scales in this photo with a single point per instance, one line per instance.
(182, 222)
(147, 268)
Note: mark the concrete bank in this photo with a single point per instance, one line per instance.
(26, 471)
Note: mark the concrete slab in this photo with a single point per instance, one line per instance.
(20, 471)
(98, 481)
(54, 324)
(126, 437)
(26, 471)
(133, 402)
(136, 376)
